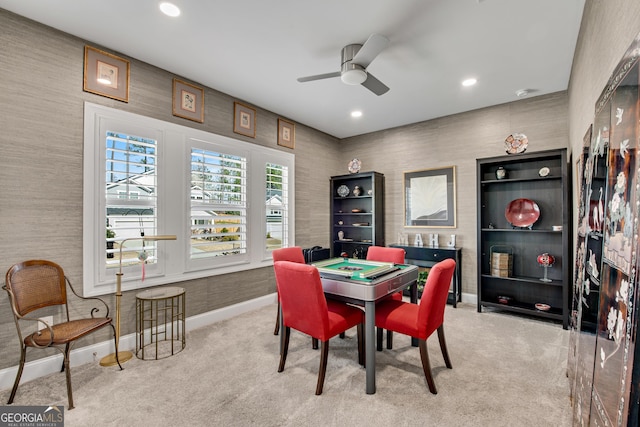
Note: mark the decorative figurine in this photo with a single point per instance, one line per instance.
(545, 260)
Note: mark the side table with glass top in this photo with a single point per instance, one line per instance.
(160, 323)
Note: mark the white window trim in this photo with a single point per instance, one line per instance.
(174, 143)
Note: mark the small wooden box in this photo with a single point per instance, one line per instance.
(501, 263)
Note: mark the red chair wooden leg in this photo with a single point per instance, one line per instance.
(277, 329)
(323, 366)
(389, 340)
(379, 333)
(426, 366)
(361, 353)
(443, 347)
(314, 343)
(285, 348)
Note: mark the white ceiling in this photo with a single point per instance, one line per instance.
(254, 50)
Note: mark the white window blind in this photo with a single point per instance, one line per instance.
(277, 206)
(218, 204)
(131, 198)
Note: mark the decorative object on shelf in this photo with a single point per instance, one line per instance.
(343, 191)
(516, 143)
(357, 191)
(286, 133)
(430, 198)
(545, 260)
(188, 101)
(244, 119)
(504, 299)
(340, 222)
(545, 171)
(357, 210)
(355, 165)
(370, 192)
(522, 213)
(556, 227)
(360, 224)
(542, 307)
(106, 74)
(452, 241)
(340, 235)
(501, 173)
(501, 261)
(403, 238)
(433, 240)
(418, 240)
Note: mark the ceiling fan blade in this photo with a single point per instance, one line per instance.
(319, 77)
(375, 85)
(375, 44)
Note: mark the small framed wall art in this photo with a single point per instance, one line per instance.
(286, 133)
(244, 119)
(106, 74)
(188, 101)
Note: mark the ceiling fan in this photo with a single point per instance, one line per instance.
(355, 60)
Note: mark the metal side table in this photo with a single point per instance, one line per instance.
(160, 323)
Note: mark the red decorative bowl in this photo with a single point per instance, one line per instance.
(522, 212)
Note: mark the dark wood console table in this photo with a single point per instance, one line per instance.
(428, 256)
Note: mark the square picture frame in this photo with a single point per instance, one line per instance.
(286, 133)
(244, 119)
(106, 74)
(430, 198)
(188, 101)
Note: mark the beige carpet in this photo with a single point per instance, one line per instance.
(507, 371)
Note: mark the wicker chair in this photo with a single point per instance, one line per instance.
(38, 284)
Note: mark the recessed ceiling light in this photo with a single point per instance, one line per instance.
(170, 9)
(469, 82)
(356, 113)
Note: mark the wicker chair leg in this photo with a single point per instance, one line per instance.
(23, 355)
(323, 366)
(68, 374)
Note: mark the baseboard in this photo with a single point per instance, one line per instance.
(469, 298)
(93, 353)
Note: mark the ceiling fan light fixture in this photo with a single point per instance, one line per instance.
(354, 76)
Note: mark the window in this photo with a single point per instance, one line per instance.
(277, 196)
(146, 177)
(218, 204)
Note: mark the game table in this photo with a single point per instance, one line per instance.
(363, 283)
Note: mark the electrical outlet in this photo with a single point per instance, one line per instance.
(47, 319)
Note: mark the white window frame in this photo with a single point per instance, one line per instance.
(174, 209)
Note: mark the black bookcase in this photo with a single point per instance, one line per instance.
(357, 216)
(509, 275)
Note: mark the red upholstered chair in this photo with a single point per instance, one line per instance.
(396, 256)
(305, 309)
(293, 254)
(421, 320)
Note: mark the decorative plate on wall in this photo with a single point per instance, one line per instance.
(522, 212)
(343, 191)
(516, 143)
(355, 165)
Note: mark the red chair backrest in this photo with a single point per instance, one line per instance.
(293, 254)
(384, 254)
(302, 299)
(434, 296)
